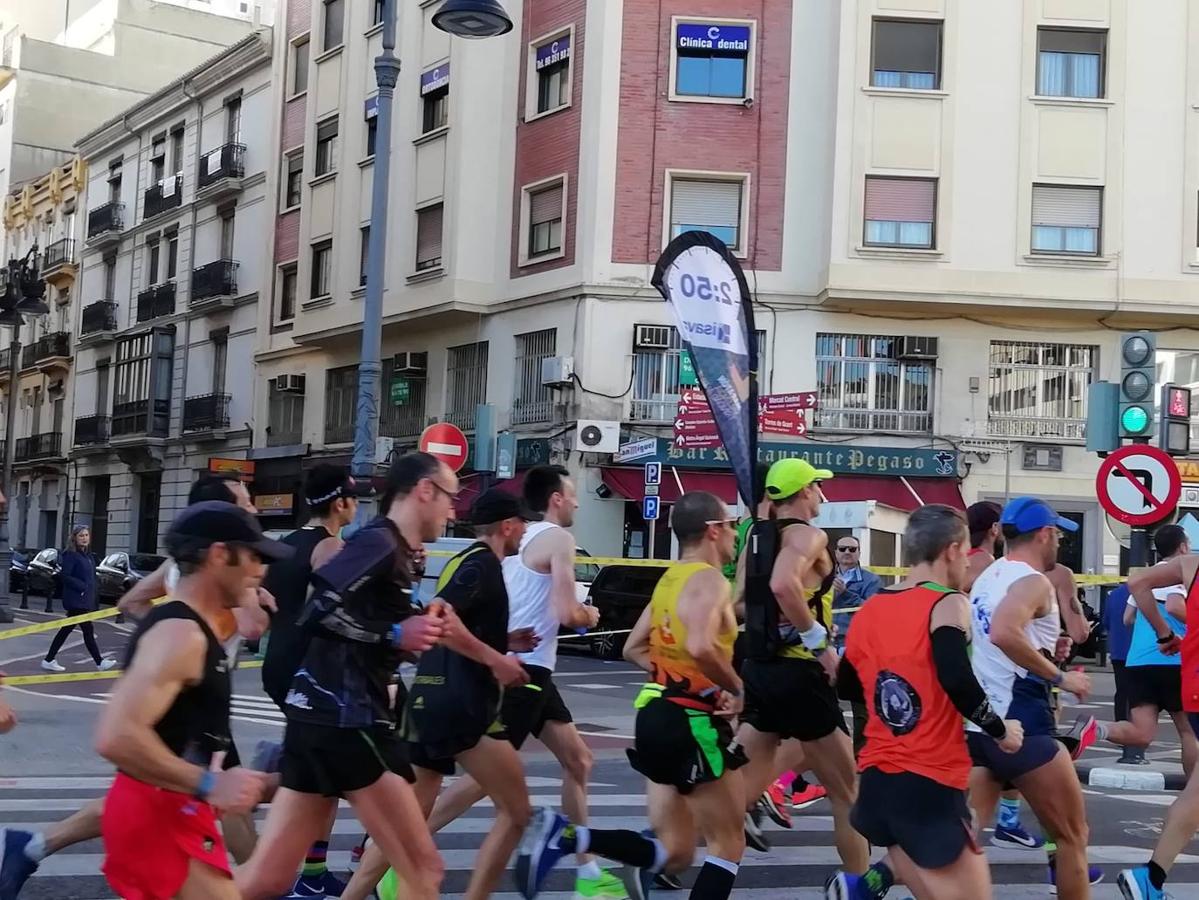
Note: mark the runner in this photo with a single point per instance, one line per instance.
(684, 743)
(340, 739)
(167, 724)
(1182, 819)
(541, 595)
(1017, 626)
(331, 495)
(789, 673)
(8, 718)
(907, 658)
(453, 711)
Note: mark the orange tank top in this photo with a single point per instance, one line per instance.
(912, 724)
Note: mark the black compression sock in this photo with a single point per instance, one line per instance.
(1157, 875)
(628, 847)
(715, 879)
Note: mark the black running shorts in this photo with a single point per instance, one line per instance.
(928, 821)
(525, 710)
(333, 762)
(1159, 686)
(683, 747)
(791, 698)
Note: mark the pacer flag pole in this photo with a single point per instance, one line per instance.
(706, 289)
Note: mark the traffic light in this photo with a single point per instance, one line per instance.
(1174, 432)
(1138, 371)
(1103, 427)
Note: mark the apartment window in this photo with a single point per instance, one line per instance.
(322, 264)
(233, 120)
(299, 66)
(326, 147)
(530, 398)
(435, 98)
(177, 151)
(114, 181)
(1066, 219)
(285, 417)
(220, 359)
(341, 400)
(907, 54)
(372, 135)
(1070, 63)
(865, 385)
(712, 206)
(110, 278)
(103, 374)
(712, 60)
(172, 256)
(293, 182)
(1039, 390)
(158, 159)
(405, 419)
(143, 371)
(466, 380)
(657, 359)
(334, 23)
(152, 262)
(545, 220)
(900, 212)
(227, 234)
(377, 12)
(428, 237)
(363, 253)
(287, 293)
(551, 62)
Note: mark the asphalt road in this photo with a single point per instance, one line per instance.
(48, 769)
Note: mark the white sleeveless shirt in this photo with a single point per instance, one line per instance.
(992, 667)
(529, 602)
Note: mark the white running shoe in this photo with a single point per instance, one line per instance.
(52, 665)
(105, 664)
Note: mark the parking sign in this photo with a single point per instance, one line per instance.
(653, 473)
(649, 508)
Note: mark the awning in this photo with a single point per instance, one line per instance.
(471, 486)
(895, 491)
(939, 490)
(630, 483)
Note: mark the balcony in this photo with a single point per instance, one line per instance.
(47, 445)
(221, 172)
(214, 284)
(156, 301)
(207, 413)
(140, 419)
(52, 352)
(60, 265)
(92, 434)
(105, 224)
(164, 196)
(99, 322)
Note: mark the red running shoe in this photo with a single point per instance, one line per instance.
(809, 796)
(774, 804)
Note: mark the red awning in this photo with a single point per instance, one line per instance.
(630, 483)
(892, 490)
(939, 490)
(470, 486)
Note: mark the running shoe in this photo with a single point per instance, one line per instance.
(668, 882)
(754, 837)
(1134, 884)
(1082, 734)
(844, 886)
(1016, 838)
(53, 665)
(606, 887)
(774, 804)
(809, 796)
(1094, 876)
(309, 886)
(15, 866)
(539, 851)
(105, 664)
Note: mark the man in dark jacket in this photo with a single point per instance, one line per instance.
(78, 574)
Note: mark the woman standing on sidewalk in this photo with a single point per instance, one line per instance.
(79, 595)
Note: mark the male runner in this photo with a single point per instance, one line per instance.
(1016, 630)
(541, 595)
(683, 741)
(1182, 819)
(8, 718)
(167, 724)
(340, 739)
(453, 711)
(332, 499)
(907, 658)
(790, 670)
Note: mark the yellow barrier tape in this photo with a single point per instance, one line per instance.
(19, 680)
(55, 624)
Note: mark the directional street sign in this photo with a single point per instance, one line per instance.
(1138, 484)
(649, 508)
(783, 422)
(802, 400)
(653, 473)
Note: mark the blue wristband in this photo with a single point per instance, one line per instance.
(207, 783)
(396, 632)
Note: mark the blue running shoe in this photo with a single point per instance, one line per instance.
(1094, 876)
(844, 886)
(1134, 884)
(1017, 838)
(539, 851)
(15, 866)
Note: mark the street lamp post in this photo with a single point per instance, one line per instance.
(464, 18)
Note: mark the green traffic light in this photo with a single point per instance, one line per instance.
(1134, 420)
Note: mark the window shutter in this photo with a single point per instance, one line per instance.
(705, 203)
(1065, 206)
(901, 199)
(1061, 40)
(326, 130)
(545, 205)
(907, 46)
(428, 233)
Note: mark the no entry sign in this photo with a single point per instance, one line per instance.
(446, 442)
(1138, 484)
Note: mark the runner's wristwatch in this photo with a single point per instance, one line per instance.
(1169, 637)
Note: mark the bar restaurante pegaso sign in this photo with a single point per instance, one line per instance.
(842, 459)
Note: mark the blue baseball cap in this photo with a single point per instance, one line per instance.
(1027, 514)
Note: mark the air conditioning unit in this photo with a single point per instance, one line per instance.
(652, 337)
(597, 437)
(912, 347)
(1190, 496)
(289, 384)
(557, 371)
(411, 362)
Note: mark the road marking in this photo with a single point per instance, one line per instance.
(596, 686)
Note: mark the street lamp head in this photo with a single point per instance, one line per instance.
(32, 307)
(472, 18)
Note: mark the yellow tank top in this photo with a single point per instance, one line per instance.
(674, 670)
(822, 609)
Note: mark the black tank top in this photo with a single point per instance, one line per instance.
(288, 581)
(762, 613)
(197, 724)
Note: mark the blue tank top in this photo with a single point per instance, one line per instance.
(1143, 651)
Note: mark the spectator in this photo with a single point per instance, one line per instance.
(852, 586)
(1119, 636)
(79, 595)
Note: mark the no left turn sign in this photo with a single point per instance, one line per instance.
(1138, 484)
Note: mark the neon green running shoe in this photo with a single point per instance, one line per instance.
(606, 887)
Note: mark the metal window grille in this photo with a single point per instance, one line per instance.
(1039, 390)
(341, 399)
(656, 364)
(408, 419)
(864, 386)
(530, 398)
(466, 376)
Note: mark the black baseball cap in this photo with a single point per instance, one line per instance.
(495, 505)
(216, 522)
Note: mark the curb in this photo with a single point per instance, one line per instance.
(1133, 779)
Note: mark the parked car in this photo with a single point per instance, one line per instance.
(16, 570)
(620, 593)
(41, 574)
(118, 572)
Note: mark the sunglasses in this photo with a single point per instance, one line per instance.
(451, 494)
(729, 522)
(847, 549)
